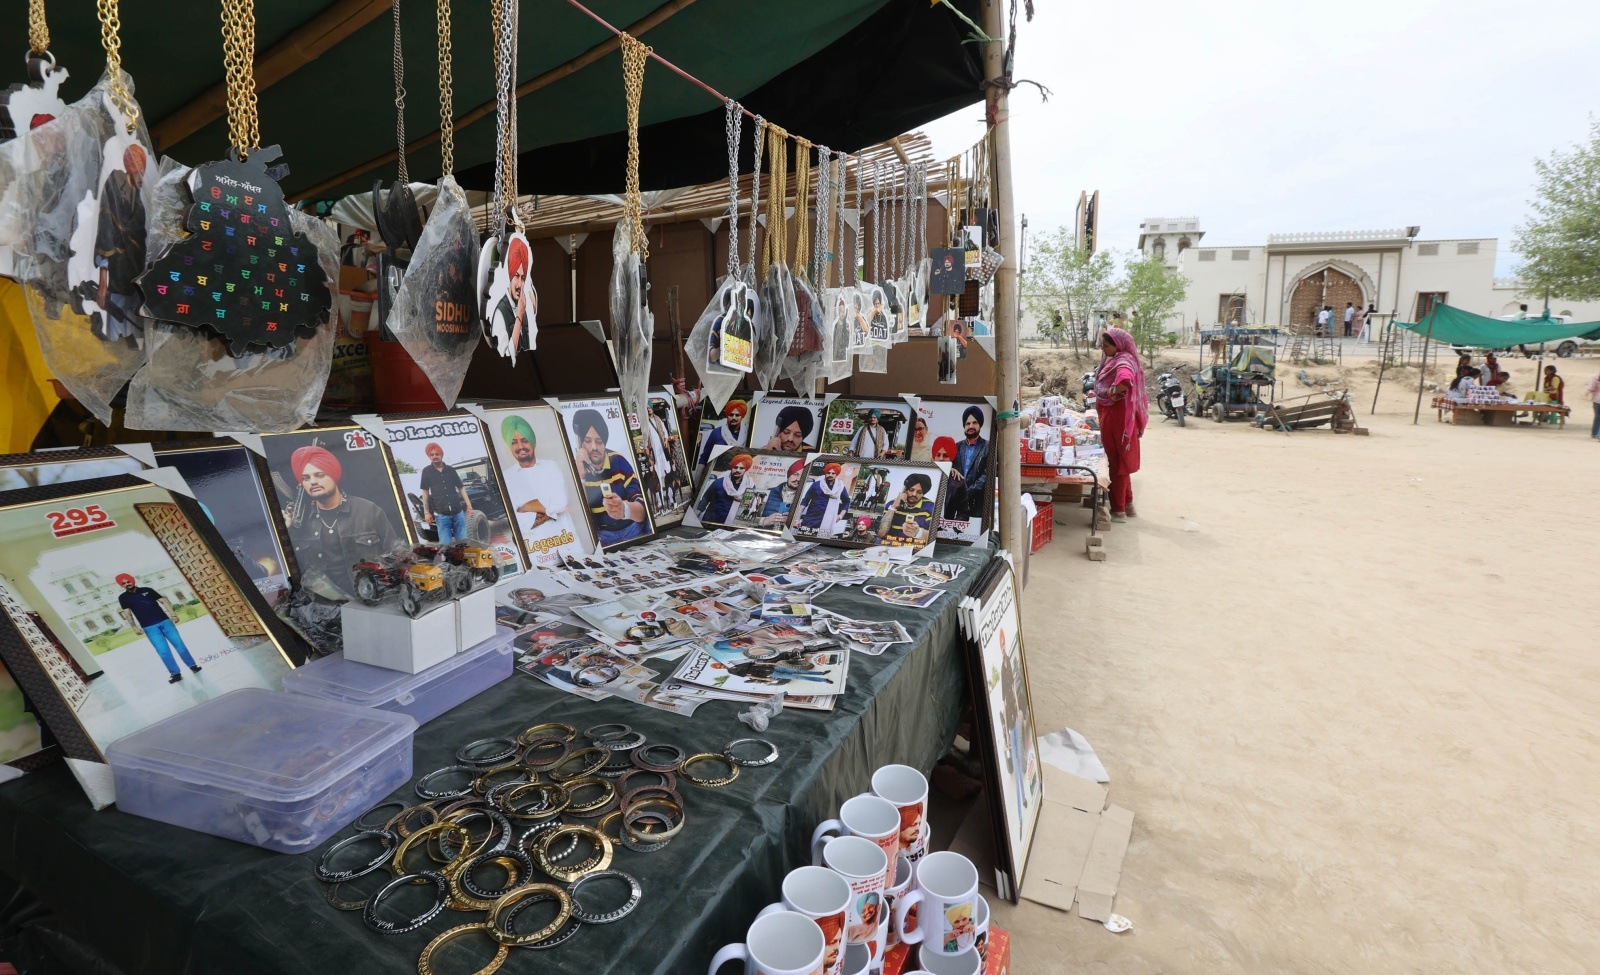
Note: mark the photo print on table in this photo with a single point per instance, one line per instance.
(663, 463)
(602, 456)
(537, 471)
(741, 488)
(858, 504)
(337, 495)
(959, 431)
(725, 428)
(452, 491)
(787, 424)
(226, 478)
(120, 606)
(872, 429)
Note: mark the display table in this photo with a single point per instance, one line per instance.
(1497, 414)
(151, 898)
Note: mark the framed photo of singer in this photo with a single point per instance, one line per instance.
(855, 503)
(121, 604)
(613, 495)
(1003, 708)
(959, 431)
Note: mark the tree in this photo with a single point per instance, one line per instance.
(1064, 284)
(1560, 246)
(1150, 292)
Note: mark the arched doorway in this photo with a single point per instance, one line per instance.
(1327, 286)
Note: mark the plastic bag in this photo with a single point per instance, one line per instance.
(806, 361)
(435, 313)
(838, 362)
(718, 381)
(55, 169)
(632, 325)
(775, 324)
(190, 382)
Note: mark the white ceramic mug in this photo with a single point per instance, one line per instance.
(946, 897)
(907, 789)
(783, 943)
(857, 959)
(867, 816)
(980, 925)
(824, 897)
(968, 962)
(862, 864)
(904, 874)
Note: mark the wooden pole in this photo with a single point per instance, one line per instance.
(1422, 378)
(1007, 372)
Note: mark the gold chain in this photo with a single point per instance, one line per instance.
(777, 197)
(802, 196)
(239, 66)
(38, 30)
(111, 40)
(447, 95)
(634, 57)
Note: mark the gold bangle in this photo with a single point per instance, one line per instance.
(544, 765)
(598, 762)
(425, 960)
(683, 770)
(560, 798)
(567, 732)
(563, 912)
(608, 792)
(605, 821)
(480, 785)
(397, 825)
(599, 861)
(639, 835)
(398, 865)
(468, 901)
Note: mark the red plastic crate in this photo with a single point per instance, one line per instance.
(1044, 524)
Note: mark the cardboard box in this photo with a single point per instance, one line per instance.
(475, 617)
(383, 636)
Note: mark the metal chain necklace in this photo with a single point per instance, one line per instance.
(635, 55)
(38, 30)
(802, 206)
(734, 128)
(505, 176)
(755, 196)
(111, 40)
(822, 249)
(238, 59)
(447, 110)
(399, 96)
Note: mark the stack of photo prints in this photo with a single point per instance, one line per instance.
(633, 561)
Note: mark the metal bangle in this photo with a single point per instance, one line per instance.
(499, 833)
(528, 842)
(339, 903)
(500, 930)
(481, 785)
(641, 757)
(519, 869)
(630, 843)
(563, 749)
(645, 792)
(589, 917)
(560, 937)
(453, 806)
(554, 798)
(398, 826)
(508, 748)
(596, 759)
(441, 887)
(683, 770)
(425, 790)
(621, 743)
(363, 825)
(668, 780)
(645, 810)
(608, 730)
(594, 807)
(397, 866)
(730, 747)
(567, 874)
(390, 841)
(617, 767)
(538, 731)
(425, 961)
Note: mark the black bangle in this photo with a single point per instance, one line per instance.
(425, 791)
(507, 748)
(572, 926)
(621, 743)
(590, 917)
(467, 884)
(363, 825)
(644, 757)
(610, 730)
(441, 889)
(772, 752)
(390, 841)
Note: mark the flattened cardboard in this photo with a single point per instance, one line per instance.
(1073, 812)
(1103, 870)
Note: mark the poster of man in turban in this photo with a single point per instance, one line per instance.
(513, 301)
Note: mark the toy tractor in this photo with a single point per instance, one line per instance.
(464, 563)
(415, 581)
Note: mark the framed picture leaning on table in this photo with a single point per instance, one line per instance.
(857, 503)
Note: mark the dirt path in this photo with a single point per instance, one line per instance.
(1355, 712)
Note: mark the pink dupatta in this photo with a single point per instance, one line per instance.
(1124, 367)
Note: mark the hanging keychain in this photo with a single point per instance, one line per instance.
(27, 105)
(632, 325)
(511, 303)
(241, 270)
(395, 213)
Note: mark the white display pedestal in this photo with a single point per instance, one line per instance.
(384, 636)
(475, 621)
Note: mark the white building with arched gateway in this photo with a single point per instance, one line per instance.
(1287, 280)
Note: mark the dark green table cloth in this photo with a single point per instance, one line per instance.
(153, 898)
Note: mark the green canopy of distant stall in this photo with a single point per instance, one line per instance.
(1453, 326)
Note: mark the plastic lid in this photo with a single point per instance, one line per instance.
(268, 744)
(338, 679)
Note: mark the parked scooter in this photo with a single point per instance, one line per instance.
(1170, 398)
(1088, 389)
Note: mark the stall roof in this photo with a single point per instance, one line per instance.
(843, 73)
(1453, 326)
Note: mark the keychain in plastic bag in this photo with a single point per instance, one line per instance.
(27, 105)
(509, 303)
(632, 324)
(703, 348)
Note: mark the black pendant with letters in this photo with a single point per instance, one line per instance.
(241, 271)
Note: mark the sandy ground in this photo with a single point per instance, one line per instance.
(1354, 710)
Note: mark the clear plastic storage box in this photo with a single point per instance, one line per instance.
(281, 771)
(424, 695)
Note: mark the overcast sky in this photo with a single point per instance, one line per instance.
(1277, 116)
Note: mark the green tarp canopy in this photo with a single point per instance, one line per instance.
(843, 73)
(1453, 326)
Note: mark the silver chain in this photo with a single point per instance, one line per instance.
(504, 178)
(755, 195)
(819, 254)
(399, 95)
(735, 125)
(877, 222)
(921, 237)
(861, 225)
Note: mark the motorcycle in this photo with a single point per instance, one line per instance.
(1170, 398)
(1088, 390)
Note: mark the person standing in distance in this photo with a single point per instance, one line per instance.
(149, 613)
(1119, 395)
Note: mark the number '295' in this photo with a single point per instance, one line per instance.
(76, 520)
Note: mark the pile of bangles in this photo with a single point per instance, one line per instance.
(522, 826)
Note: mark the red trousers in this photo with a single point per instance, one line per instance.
(1122, 454)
